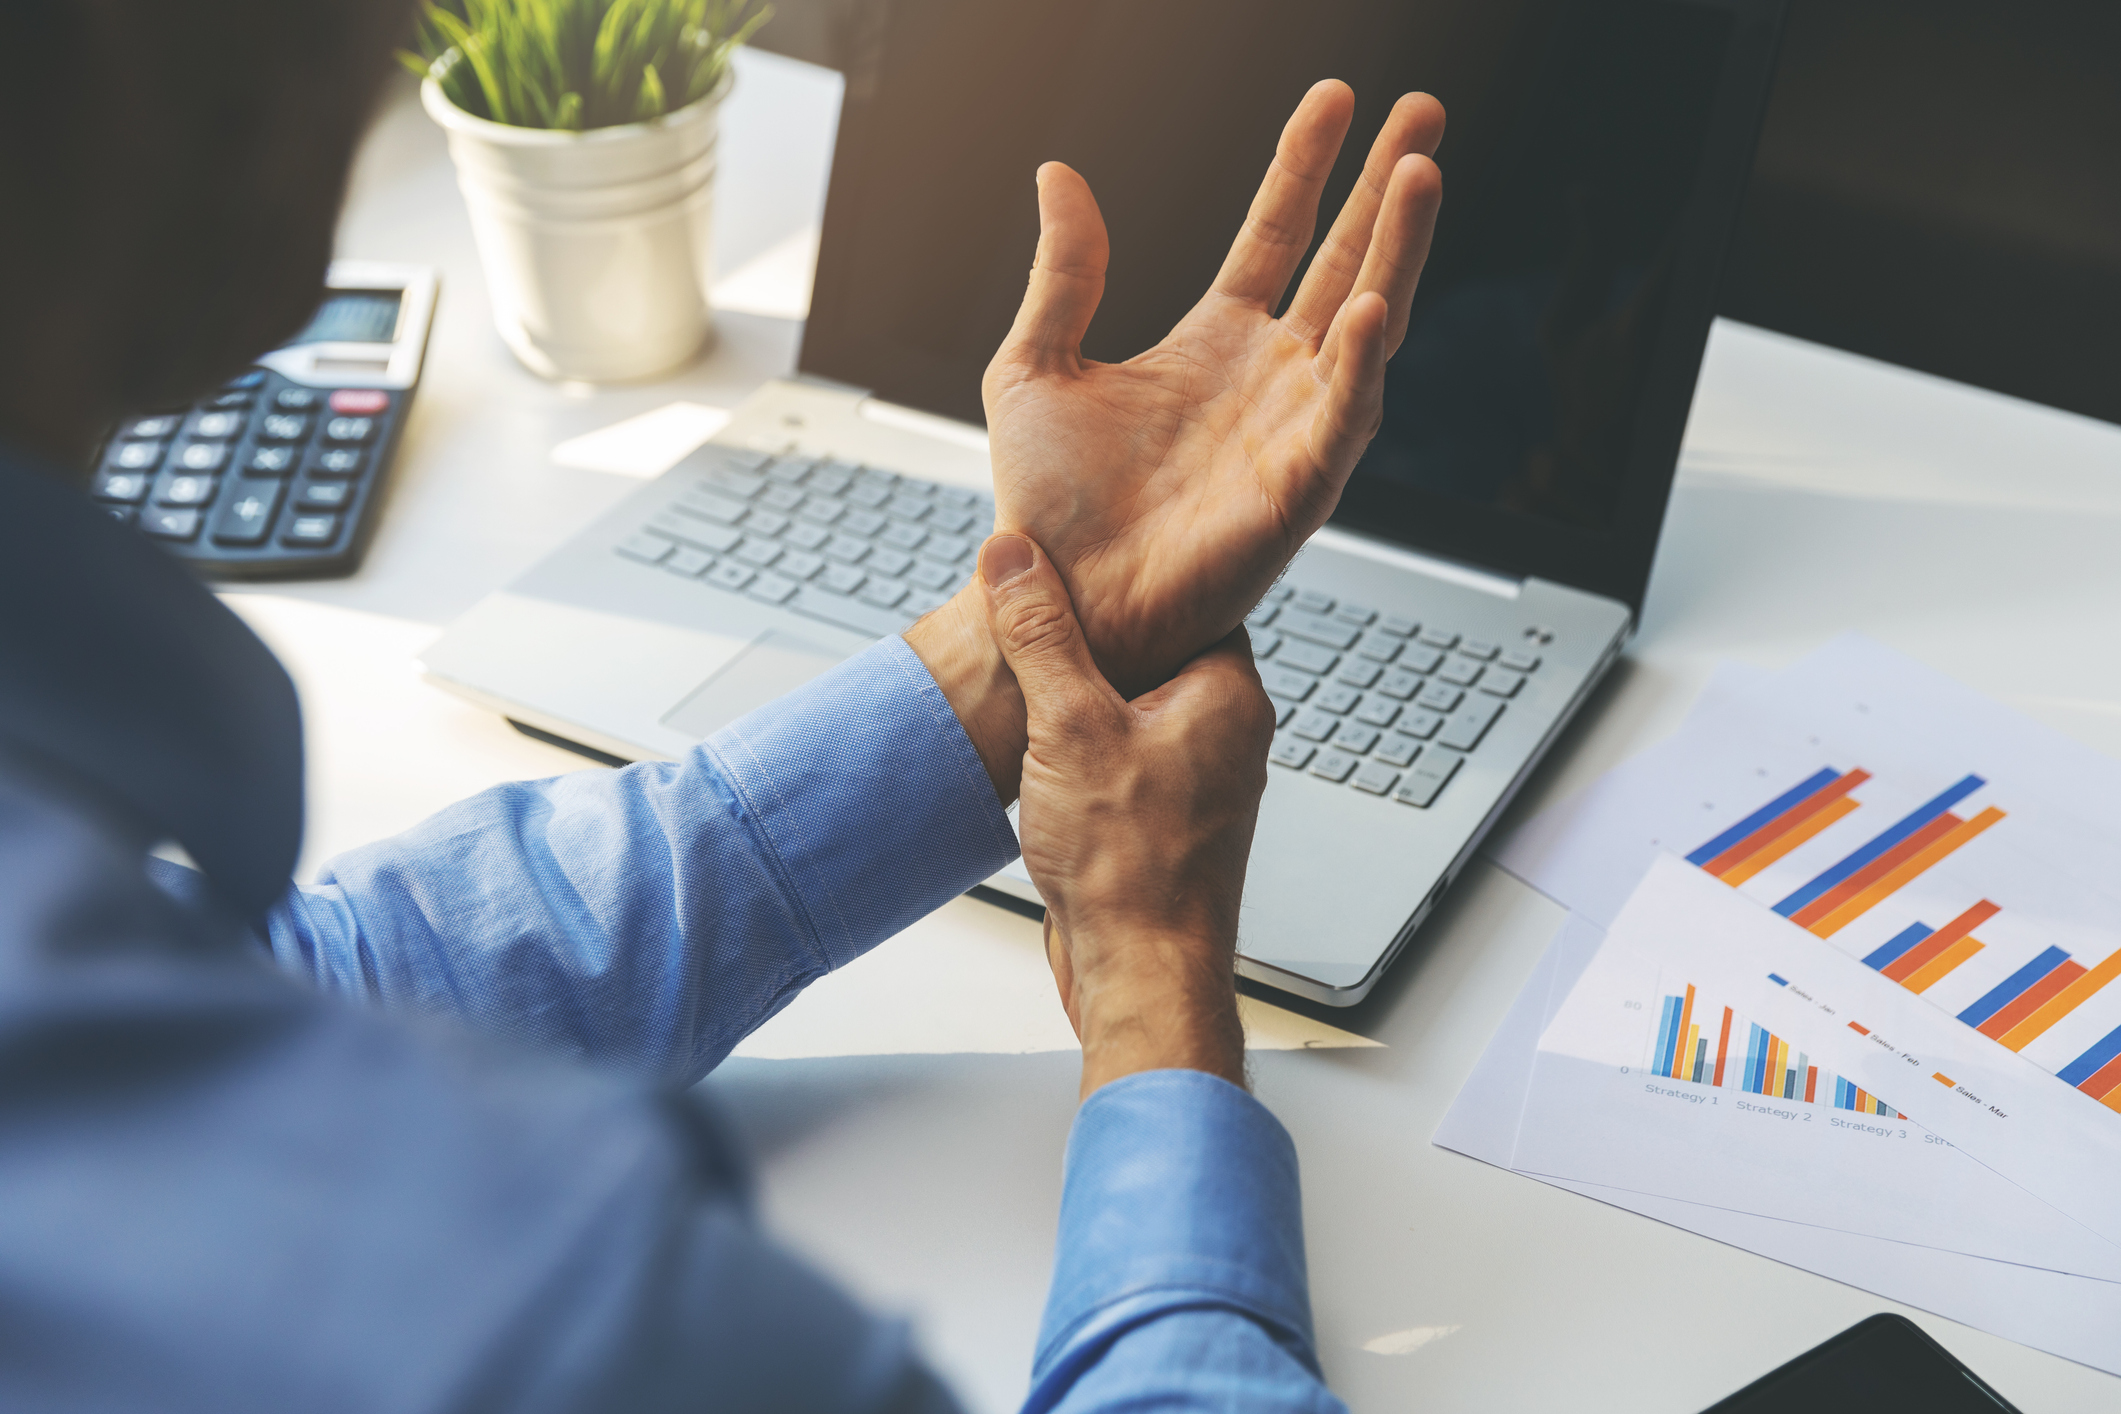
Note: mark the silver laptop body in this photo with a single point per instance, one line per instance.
(1419, 673)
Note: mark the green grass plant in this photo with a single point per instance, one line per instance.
(578, 64)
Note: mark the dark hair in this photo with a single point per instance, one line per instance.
(168, 190)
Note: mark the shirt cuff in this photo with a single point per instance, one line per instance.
(1181, 1192)
(875, 808)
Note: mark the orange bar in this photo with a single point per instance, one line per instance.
(2112, 1098)
(1811, 1083)
(1774, 849)
(1941, 1078)
(1913, 869)
(1829, 794)
(1863, 1100)
(1855, 883)
(1683, 1063)
(1915, 958)
(2101, 1082)
(2031, 999)
(1859, 1030)
(2063, 1003)
(1723, 1047)
(1940, 967)
(1778, 1057)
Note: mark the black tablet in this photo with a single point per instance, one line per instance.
(1876, 1366)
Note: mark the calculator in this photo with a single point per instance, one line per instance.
(280, 472)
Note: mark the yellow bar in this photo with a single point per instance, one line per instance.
(1683, 1060)
(1910, 869)
(1783, 843)
(1778, 1053)
(1934, 970)
(2062, 1003)
(1690, 1040)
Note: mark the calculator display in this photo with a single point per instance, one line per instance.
(353, 317)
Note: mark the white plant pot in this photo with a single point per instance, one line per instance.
(596, 244)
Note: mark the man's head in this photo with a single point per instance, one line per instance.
(170, 173)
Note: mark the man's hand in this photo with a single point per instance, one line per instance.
(1137, 822)
(1171, 489)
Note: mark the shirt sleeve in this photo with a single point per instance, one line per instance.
(1179, 1273)
(652, 917)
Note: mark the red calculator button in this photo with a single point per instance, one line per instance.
(359, 402)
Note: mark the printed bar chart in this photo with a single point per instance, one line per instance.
(1766, 1064)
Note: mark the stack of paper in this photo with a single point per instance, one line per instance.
(1836, 989)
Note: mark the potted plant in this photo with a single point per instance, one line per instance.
(583, 133)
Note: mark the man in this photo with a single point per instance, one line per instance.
(224, 1188)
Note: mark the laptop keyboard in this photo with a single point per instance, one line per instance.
(857, 546)
(1382, 702)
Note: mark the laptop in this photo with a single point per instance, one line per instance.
(1489, 557)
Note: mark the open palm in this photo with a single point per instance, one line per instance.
(1172, 488)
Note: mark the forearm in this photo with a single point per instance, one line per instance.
(958, 649)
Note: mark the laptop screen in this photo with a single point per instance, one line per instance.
(1593, 164)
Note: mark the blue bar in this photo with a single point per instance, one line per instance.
(1825, 777)
(1756, 1077)
(1778, 981)
(2006, 991)
(2087, 1065)
(1667, 1023)
(1890, 952)
(1921, 816)
(1844, 1095)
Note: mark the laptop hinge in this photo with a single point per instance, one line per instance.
(1399, 556)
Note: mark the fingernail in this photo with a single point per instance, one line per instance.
(1003, 558)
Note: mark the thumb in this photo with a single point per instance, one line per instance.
(1033, 623)
(1068, 273)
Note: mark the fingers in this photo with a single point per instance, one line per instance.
(1415, 125)
(1067, 274)
(1034, 625)
(1347, 419)
(1406, 226)
(1277, 230)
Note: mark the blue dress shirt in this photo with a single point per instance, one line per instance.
(225, 1189)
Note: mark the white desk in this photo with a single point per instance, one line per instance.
(909, 1113)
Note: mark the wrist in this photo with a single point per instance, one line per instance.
(1156, 1003)
(956, 646)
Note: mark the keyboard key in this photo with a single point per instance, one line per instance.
(740, 484)
(217, 426)
(908, 506)
(689, 563)
(270, 461)
(1399, 683)
(1333, 765)
(1280, 593)
(349, 429)
(1292, 752)
(949, 547)
(1378, 647)
(152, 427)
(805, 536)
(864, 523)
(1310, 657)
(877, 476)
(758, 551)
(1361, 615)
(187, 491)
(1377, 711)
(885, 560)
(765, 522)
(923, 601)
(1339, 699)
(1462, 671)
(310, 532)
(1262, 615)
(1359, 674)
(731, 575)
(648, 549)
(930, 575)
(318, 496)
(799, 565)
(884, 593)
(1282, 712)
(1439, 637)
(1419, 659)
(832, 477)
(841, 579)
(247, 519)
(1355, 737)
(1376, 778)
(137, 456)
(282, 427)
(339, 461)
(1398, 750)
(1316, 725)
(771, 589)
(824, 509)
(169, 523)
(867, 494)
(790, 471)
(1467, 726)
(1428, 778)
(1310, 601)
(1519, 662)
(950, 520)
(1500, 683)
(847, 548)
(1479, 648)
(1439, 697)
(901, 536)
(1318, 630)
(706, 503)
(704, 533)
(848, 613)
(1420, 724)
(129, 487)
(205, 457)
(782, 498)
(1286, 682)
(1400, 626)
(1264, 641)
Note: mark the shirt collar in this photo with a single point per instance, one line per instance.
(120, 668)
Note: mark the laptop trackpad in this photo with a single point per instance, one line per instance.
(773, 665)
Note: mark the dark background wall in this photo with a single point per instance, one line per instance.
(1938, 185)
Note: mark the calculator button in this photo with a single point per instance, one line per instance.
(136, 456)
(187, 491)
(153, 427)
(349, 429)
(121, 514)
(207, 457)
(1292, 752)
(310, 532)
(127, 486)
(233, 398)
(1333, 765)
(338, 461)
(247, 519)
(648, 549)
(360, 402)
(168, 523)
(217, 426)
(325, 495)
(248, 379)
(1376, 778)
(295, 399)
(270, 461)
(283, 427)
